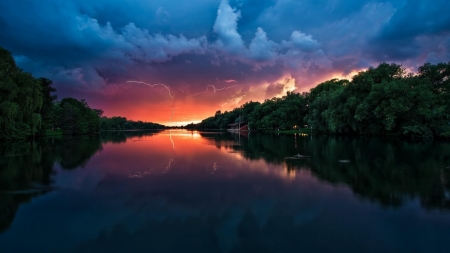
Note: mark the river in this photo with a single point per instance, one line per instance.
(190, 191)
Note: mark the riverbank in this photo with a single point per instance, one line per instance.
(289, 131)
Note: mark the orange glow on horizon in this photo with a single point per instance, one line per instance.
(153, 104)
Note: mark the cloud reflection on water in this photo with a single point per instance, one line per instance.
(226, 193)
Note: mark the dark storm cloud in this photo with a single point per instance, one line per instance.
(416, 18)
(86, 45)
(399, 38)
(191, 18)
(283, 17)
(64, 29)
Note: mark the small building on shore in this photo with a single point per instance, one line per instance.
(239, 126)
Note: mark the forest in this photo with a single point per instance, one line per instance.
(386, 100)
(29, 108)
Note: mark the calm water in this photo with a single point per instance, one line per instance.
(184, 191)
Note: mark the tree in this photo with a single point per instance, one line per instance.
(47, 110)
(76, 117)
(20, 100)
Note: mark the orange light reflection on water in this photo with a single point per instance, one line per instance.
(191, 154)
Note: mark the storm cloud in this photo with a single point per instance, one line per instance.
(90, 50)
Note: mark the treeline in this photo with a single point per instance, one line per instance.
(121, 123)
(222, 120)
(385, 100)
(286, 113)
(28, 108)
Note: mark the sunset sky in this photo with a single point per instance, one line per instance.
(245, 49)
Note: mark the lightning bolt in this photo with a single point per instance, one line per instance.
(214, 89)
(168, 166)
(152, 85)
(171, 115)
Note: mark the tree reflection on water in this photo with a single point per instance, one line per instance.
(385, 171)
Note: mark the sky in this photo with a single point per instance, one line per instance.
(176, 62)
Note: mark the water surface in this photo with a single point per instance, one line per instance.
(188, 191)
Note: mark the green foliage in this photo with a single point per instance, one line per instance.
(284, 113)
(222, 120)
(28, 107)
(20, 100)
(384, 101)
(48, 105)
(76, 117)
(379, 101)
